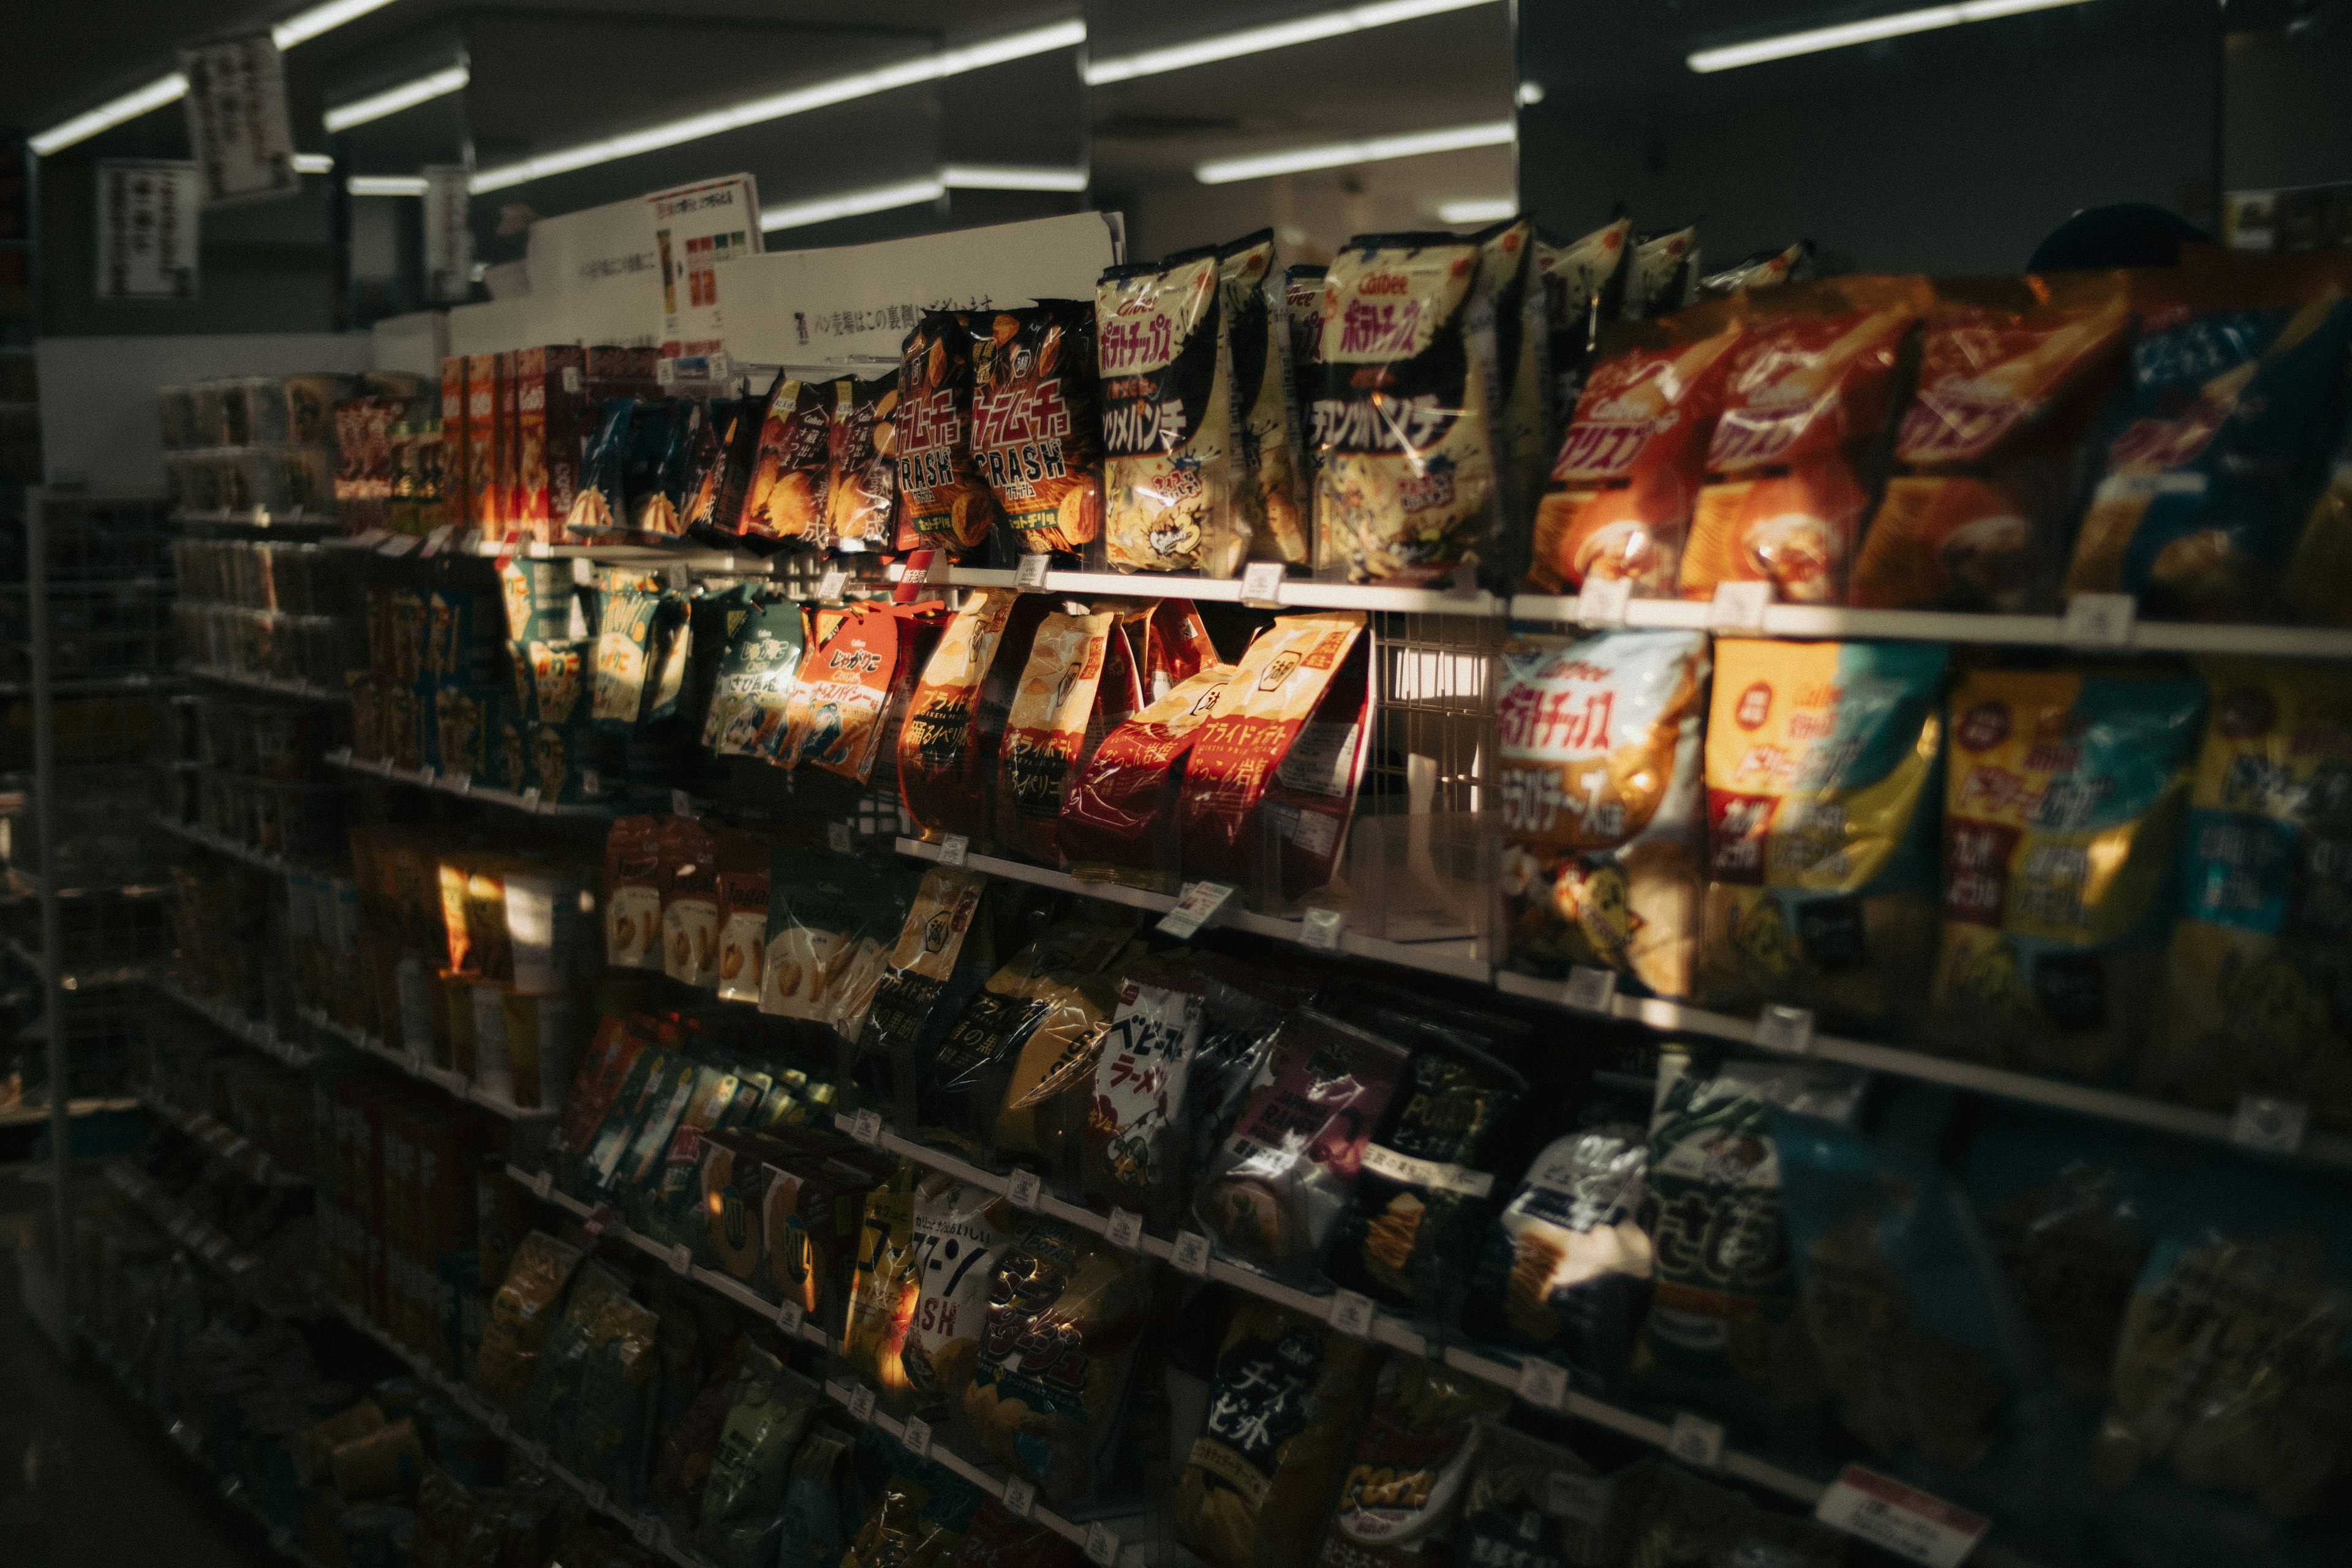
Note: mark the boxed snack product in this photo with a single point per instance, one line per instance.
(1036, 430)
(486, 464)
(1120, 820)
(1402, 1485)
(1258, 329)
(1171, 449)
(945, 503)
(550, 423)
(955, 722)
(861, 464)
(1598, 769)
(1078, 679)
(785, 496)
(812, 1226)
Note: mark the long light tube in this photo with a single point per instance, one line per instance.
(1274, 36)
(1339, 154)
(1010, 177)
(1846, 34)
(385, 185)
(392, 100)
(796, 101)
(882, 198)
(313, 164)
(1478, 209)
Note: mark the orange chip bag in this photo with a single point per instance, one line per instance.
(786, 497)
(845, 690)
(946, 747)
(1078, 672)
(1037, 429)
(948, 505)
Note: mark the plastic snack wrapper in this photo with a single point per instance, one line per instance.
(690, 915)
(1118, 822)
(1986, 481)
(921, 1509)
(601, 506)
(1525, 421)
(960, 1231)
(1137, 1156)
(945, 503)
(1583, 285)
(882, 1291)
(1402, 1486)
(1626, 480)
(1662, 273)
(1036, 427)
(1283, 1406)
(926, 975)
(811, 1529)
(520, 1315)
(1794, 465)
(785, 494)
(824, 911)
(724, 466)
(861, 464)
(1533, 1502)
(1662, 1513)
(755, 678)
(1599, 774)
(947, 747)
(2261, 959)
(1408, 480)
(1078, 679)
(2319, 575)
(849, 682)
(1258, 330)
(632, 880)
(1765, 270)
(1172, 468)
(2066, 792)
(770, 1408)
(1823, 772)
(1302, 303)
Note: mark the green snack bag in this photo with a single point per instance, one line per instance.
(768, 1413)
(624, 630)
(547, 1404)
(613, 1427)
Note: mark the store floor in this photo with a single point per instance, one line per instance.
(86, 1479)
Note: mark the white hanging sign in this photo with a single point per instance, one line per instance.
(237, 126)
(147, 229)
(699, 232)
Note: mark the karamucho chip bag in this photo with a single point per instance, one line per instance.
(1258, 330)
(1598, 771)
(1079, 670)
(1118, 822)
(1171, 465)
(1036, 432)
(946, 504)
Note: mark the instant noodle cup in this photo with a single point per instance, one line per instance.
(1172, 464)
(1080, 676)
(1822, 776)
(1408, 482)
(1403, 1484)
(948, 505)
(948, 746)
(1037, 433)
(2067, 792)
(2262, 953)
(1118, 822)
(861, 464)
(1258, 328)
(1270, 782)
(1599, 775)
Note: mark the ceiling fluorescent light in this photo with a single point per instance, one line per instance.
(313, 164)
(1478, 209)
(392, 100)
(307, 24)
(1010, 177)
(1870, 31)
(797, 100)
(385, 185)
(799, 215)
(106, 116)
(1339, 154)
(1274, 36)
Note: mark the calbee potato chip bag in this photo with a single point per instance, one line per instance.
(1173, 463)
(955, 721)
(1118, 822)
(1078, 674)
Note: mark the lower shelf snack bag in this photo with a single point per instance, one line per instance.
(785, 496)
(743, 896)
(1065, 1314)
(1531, 1502)
(1120, 821)
(1626, 478)
(861, 464)
(1037, 429)
(547, 1406)
(1258, 330)
(1282, 1404)
(961, 1230)
(927, 976)
(618, 1389)
(1598, 769)
(824, 910)
(2319, 574)
(848, 684)
(882, 1292)
(2067, 791)
(944, 503)
(2260, 967)
(1171, 465)
(1402, 1486)
(689, 910)
(520, 1315)
(999, 1539)
(1408, 482)
(754, 678)
(1079, 677)
(1724, 1332)
(813, 1225)
(1793, 467)
(1270, 779)
(1823, 774)
(955, 722)
(811, 1529)
(1136, 1155)
(769, 1410)
(1281, 1178)
(1986, 481)
(920, 1513)
(1662, 1513)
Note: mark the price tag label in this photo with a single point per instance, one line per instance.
(1738, 606)
(1195, 907)
(583, 570)
(789, 1316)
(1262, 584)
(645, 1528)
(1543, 1383)
(1125, 1229)
(861, 1403)
(681, 1259)
(1191, 1253)
(1019, 1497)
(1602, 601)
(280, 1538)
(598, 1497)
(533, 1449)
(682, 805)
(1029, 576)
(435, 541)
(954, 849)
(829, 588)
(539, 549)
(530, 798)
(1902, 1520)
(866, 1126)
(542, 1184)
(916, 1437)
(1789, 1031)
(590, 782)
(463, 783)
(398, 545)
(836, 835)
(1023, 1189)
(1102, 1545)
(1321, 928)
(2098, 620)
(680, 580)
(426, 772)
(1352, 1313)
(1590, 988)
(2269, 1126)
(1696, 1441)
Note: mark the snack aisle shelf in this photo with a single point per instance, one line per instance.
(87, 979)
(24, 1115)
(254, 1033)
(233, 1147)
(207, 1241)
(842, 1390)
(464, 789)
(1292, 592)
(309, 690)
(447, 1079)
(205, 837)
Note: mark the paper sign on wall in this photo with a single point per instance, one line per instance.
(237, 120)
(448, 242)
(147, 229)
(699, 232)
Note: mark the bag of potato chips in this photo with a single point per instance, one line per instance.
(1662, 274)
(1404, 1483)
(1535, 1503)
(785, 496)
(955, 722)
(961, 1230)
(1583, 284)
(2066, 795)
(1118, 822)
(1823, 773)
(946, 506)
(883, 1290)
(1172, 464)
(1078, 679)
(1265, 396)
(861, 469)
(848, 683)
(1525, 420)
(1036, 431)
(1599, 774)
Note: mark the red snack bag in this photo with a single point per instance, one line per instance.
(947, 505)
(1078, 669)
(786, 495)
(1118, 823)
(948, 746)
(863, 666)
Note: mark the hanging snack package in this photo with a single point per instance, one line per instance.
(600, 508)
(742, 896)
(1065, 1314)
(1794, 465)
(1258, 328)
(1048, 1094)
(785, 496)
(1173, 452)
(624, 631)
(1407, 484)
(1283, 1403)
(1985, 486)
(2066, 794)
(2260, 967)
(861, 464)
(661, 437)
(689, 911)
(2319, 576)
(947, 747)
(927, 965)
(1662, 277)
(717, 503)
(960, 1231)
(848, 684)
(1823, 773)
(632, 884)
(1051, 999)
(1583, 284)
(2212, 465)
(754, 681)
(1281, 1178)
(1626, 480)
(1764, 270)
(520, 1315)
(613, 1420)
(948, 506)
(1603, 837)
(1037, 429)
(769, 1410)
(1525, 421)
(1400, 1488)
(883, 1290)
(1137, 1155)
(1302, 304)
(1078, 671)
(1535, 1503)
(822, 909)
(811, 1528)
(1662, 1513)
(1118, 823)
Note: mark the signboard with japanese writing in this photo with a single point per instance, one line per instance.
(449, 243)
(701, 233)
(147, 229)
(237, 120)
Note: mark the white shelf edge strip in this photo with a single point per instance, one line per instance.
(447, 1079)
(240, 1150)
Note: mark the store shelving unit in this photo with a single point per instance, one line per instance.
(527, 801)
(447, 1079)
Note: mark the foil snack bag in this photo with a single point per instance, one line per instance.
(1173, 463)
(945, 503)
(1037, 427)
(861, 469)
(1258, 330)
(1119, 821)
(846, 687)
(785, 496)
(1079, 674)
(1583, 285)
(955, 721)
(1403, 1484)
